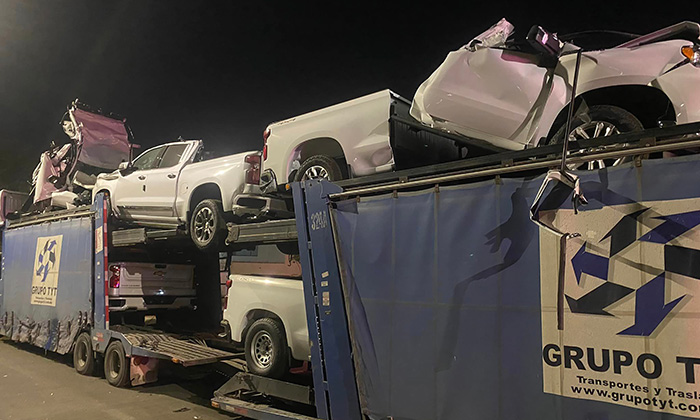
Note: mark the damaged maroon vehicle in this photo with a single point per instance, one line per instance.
(65, 175)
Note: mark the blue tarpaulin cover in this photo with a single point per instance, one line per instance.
(443, 294)
(46, 285)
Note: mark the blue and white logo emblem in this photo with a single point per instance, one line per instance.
(47, 261)
(620, 305)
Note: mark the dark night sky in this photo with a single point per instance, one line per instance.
(222, 71)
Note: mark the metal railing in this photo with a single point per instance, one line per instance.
(619, 146)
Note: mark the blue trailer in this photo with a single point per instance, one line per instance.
(53, 294)
(474, 289)
(485, 290)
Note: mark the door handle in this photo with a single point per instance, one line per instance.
(171, 176)
(142, 177)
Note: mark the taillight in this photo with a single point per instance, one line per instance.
(252, 174)
(229, 282)
(114, 276)
(266, 135)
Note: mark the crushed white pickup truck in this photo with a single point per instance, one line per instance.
(174, 185)
(515, 92)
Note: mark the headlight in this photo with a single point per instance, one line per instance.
(692, 53)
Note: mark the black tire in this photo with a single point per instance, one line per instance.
(207, 225)
(266, 351)
(83, 356)
(117, 365)
(612, 119)
(319, 166)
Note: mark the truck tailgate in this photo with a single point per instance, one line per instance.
(143, 279)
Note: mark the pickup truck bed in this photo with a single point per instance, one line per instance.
(364, 136)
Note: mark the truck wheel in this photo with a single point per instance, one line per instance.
(599, 121)
(319, 167)
(207, 226)
(83, 356)
(117, 368)
(266, 351)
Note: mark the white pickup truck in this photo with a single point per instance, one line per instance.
(267, 315)
(360, 137)
(174, 185)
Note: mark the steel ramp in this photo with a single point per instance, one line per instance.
(255, 411)
(186, 353)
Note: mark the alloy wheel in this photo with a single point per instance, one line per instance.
(204, 224)
(316, 172)
(591, 130)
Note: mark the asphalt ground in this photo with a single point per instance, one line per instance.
(38, 386)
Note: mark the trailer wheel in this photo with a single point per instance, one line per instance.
(319, 167)
(117, 368)
(83, 356)
(266, 351)
(207, 226)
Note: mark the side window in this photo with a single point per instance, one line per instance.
(173, 155)
(148, 159)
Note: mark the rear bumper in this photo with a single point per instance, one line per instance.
(144, 303)
(226, 330)
(258, 207)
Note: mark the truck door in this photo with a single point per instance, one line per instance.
(130, 190)
(160, 183)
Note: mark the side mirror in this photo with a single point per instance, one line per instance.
(545, 42)
(123, 165)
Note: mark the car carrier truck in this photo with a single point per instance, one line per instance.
(55, 293)
(478, 289)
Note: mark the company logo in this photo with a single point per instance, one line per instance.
(651, 307)
(46, 259)
(619, 318)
